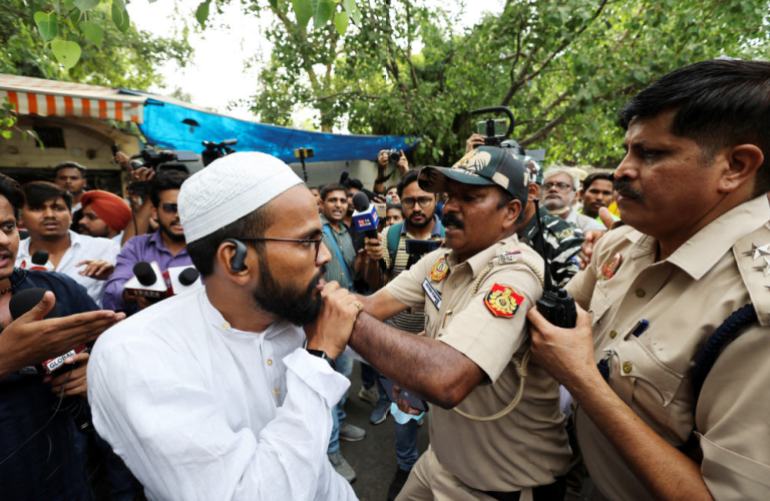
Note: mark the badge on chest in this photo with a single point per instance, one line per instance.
(433, 294)
(440, 270)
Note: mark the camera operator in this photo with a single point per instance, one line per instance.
(420, 223)
(39, 458)
(395, 160)
(165, 246)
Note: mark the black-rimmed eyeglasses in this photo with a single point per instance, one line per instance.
(305, 242)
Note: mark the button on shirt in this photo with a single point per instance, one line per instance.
(528, 447)
(684, 298)
(82, 247)
(199, 410)
(148, 248)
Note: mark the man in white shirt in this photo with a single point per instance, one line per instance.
(210, 395)
(560, 188)
(46, 216)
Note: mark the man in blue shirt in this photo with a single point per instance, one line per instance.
(39, 456)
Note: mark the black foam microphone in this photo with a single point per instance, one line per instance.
(144, 273)
(188, 276)
(40, 258)
(365, 217)
(25, 300)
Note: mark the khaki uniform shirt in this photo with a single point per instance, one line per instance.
(528, 447)
(684, 298)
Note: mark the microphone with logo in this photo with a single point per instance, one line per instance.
(39, 261)
(147, 282)
(21, 303)
(365, 219)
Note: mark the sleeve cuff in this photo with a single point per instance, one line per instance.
(318, 375)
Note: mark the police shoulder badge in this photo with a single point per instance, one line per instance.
(439, 270)
(610, 267)
(502, 301)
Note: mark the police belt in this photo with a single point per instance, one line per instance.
(550, 492)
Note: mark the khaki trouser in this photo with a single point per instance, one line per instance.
(429, 481)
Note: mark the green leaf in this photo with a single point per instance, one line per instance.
(323, 10)
(303, 10)
(341, 22)
(120, 15)
(352, 9)
(202, 13)
(92, 32)
(47, 23)
(85, 5)
(66, 52)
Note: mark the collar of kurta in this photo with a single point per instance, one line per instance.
(702, 251)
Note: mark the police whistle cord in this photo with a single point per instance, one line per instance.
(520, 364)
(725, 334)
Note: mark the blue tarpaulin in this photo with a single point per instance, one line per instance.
(172, 126)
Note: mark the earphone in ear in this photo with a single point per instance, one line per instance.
(238, 261)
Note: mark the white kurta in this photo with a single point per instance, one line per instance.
(198, 410)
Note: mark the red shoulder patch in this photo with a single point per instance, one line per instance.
(502, 301)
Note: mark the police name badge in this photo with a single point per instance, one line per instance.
(502, 301)
(432, 293)
(508, 257)
(440, 270)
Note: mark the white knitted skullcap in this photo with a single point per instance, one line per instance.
(230, 188)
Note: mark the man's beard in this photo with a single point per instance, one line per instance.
(421, 224)
(299, 308)
(170, 234)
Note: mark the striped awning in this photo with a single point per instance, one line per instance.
(37, 96)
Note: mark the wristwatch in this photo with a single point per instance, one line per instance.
(322, 355)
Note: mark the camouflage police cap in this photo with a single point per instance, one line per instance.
(484, 166)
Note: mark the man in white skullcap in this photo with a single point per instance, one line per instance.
(213, 394)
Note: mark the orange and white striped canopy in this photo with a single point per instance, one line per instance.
(37, 96)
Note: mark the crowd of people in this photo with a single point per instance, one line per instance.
(236, 386)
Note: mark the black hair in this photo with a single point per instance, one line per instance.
(253, 225)
(37, 193)
(171, 179)
(392, 206)
(332, 187)
(12, 192)
(718, 103)
(595, 176)
(409, 178)
(69, 165)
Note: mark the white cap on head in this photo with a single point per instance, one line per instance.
(230, 188)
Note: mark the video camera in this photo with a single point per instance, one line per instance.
(495, 130)
(393, 157)
(418, 248)
(212, 151)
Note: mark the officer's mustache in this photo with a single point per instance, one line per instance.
(451, 219)
(623, 187)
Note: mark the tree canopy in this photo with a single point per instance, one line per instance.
(564, 67)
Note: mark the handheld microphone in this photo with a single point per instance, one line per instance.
(147, 281)
(365, 217)
(21, 303)
(38, 262)
(183, 278)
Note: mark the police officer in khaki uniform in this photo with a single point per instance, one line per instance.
(470, 361)
(695, 249)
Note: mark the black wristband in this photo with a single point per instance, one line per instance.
(322, 355)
